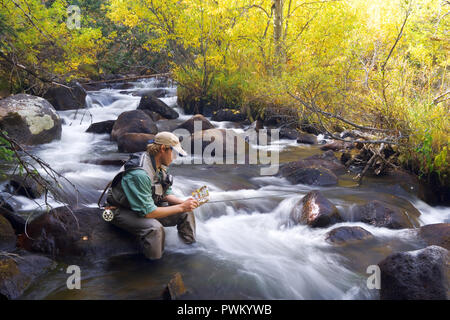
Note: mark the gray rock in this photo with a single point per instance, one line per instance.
(415, 275)
(381, 214)
(29, 119)
(17, 273)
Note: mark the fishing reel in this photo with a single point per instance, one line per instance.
(201, 195)
(108, 215)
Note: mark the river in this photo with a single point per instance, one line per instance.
(246, 249)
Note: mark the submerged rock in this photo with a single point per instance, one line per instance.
(345, 235)
(415, 275)
(135, 121)
(316, 211)
(297, 172)
(175, 288)
(29, 119)
(18, 272)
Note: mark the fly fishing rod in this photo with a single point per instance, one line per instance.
(202, 196)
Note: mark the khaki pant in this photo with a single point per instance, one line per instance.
(151, 231)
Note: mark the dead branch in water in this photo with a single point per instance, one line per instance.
(369, 145)
(50, 183)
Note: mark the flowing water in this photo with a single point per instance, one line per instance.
(246, 249)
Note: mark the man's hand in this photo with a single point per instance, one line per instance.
(189, 204)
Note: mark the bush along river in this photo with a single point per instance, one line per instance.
(307, 232)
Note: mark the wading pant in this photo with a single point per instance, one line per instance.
(150, 232)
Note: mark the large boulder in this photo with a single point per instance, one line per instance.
(18, 272)
(151, 103)
(346, 235)
(296, 173)
(29, 119)
(133, 142)
(201, 121)
(436, 234)
(66, 98)
(81, 233)
(315, 210)
(135, 121)
(233, 115)
(382, 214)
(7, 235)
(415, 275)
(101, 127)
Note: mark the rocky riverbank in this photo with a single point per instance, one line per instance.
(69, 234)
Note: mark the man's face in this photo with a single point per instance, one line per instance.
(167, 155)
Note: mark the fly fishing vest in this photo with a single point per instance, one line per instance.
(117, 197)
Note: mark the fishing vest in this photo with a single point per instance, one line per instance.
(117, 197)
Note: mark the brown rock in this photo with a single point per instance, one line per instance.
(175, 288)
(316, 211)
(133, 142)
(436, 234)
(135, 121)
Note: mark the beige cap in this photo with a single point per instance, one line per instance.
(169, 139)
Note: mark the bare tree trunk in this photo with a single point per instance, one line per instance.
(277, 33)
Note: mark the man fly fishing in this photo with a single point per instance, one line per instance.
(141, 199)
